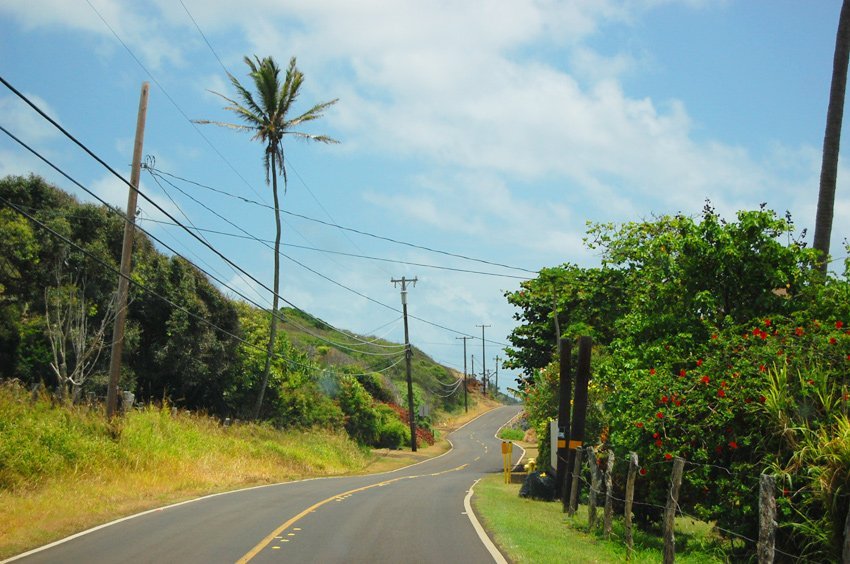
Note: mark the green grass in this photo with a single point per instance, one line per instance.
(509, 434)
(145, 459)
(539, 532)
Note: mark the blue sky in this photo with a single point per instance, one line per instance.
(492, 129)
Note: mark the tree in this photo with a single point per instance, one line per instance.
(267, 118)
(832, 137)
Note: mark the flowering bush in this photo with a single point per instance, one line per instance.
(732, 352)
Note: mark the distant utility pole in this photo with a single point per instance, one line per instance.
(408, 354)
(497, 375)
(472, 357)
(483, 360)
(126, 253)
(465, 401)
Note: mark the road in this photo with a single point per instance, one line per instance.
(415, 514)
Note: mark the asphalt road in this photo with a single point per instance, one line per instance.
(415, 514)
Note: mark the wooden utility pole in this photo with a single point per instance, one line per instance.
(565, 396)
(408, 354)
(497, 376)
(483, 361)
(465, 400)
(579, 409)
(126, 254)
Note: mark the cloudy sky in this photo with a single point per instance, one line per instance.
(493, 130)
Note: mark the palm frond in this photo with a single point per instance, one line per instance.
(313, 113)
(236, 126)
(311, 137)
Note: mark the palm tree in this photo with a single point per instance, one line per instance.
(832, 137)
(266, 116)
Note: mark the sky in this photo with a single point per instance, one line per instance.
(494, 130)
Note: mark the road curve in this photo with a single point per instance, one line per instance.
(415, 514)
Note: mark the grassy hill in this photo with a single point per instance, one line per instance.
(346, 351)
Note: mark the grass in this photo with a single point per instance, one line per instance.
(539, 532)
(63, 469)
(511, 434)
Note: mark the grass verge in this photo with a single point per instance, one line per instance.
(64, 469)
(539, 532)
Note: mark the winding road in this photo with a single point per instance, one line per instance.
(416, 514)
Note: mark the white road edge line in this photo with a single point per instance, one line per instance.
(482, 534)
(173, 505)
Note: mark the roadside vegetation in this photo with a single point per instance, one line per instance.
(63, 469)
(716, 340)
(187, 344)
(540, 533)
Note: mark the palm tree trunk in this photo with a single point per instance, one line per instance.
(832, 137)
(273, 327)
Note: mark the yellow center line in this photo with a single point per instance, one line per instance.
(277, 532)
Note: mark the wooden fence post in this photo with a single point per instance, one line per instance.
(845, 556)
(609, 495)
(670, 510)
(575, 478)
(595, 485)
(630, 496)
(767, 519)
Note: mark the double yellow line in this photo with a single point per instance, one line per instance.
(274, 534)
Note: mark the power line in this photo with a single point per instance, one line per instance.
(164, 212)
(353, 255)
(170, 99)
(188, 13)
(350, 229)
(243, 296)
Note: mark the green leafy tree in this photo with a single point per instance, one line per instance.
(267, 116)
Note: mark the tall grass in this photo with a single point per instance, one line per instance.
(63, 468)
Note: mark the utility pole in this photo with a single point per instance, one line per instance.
(472, 356)
(465, 401)
(483, 360)
(408, 354)
(126, 254)
(497, 375)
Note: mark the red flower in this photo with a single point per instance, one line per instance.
(756, 331)
(718, 449)
(748, 400)
(767, 322)
(832, 341)
(664, 399)
(682, 373)
(652, 372)
(799, 331)
(846, 396)
(699, 362)
(642, 471)
(658, 443)
(785, 492)
(721, 393)
(810, 382)
(639, 424)
(763, 335)
(659, 415)
(733, 445)
(723, 384)
(762, 368)
(839, 324)
(762, 399)
(714, 336)
(705, 379)
(677, 402)
(668, 456)
(655, 435)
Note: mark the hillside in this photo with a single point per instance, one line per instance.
(187, 343)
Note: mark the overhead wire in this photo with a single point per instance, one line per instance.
(344, 228)
(103, 163)
(243, 296)
(173, 102)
